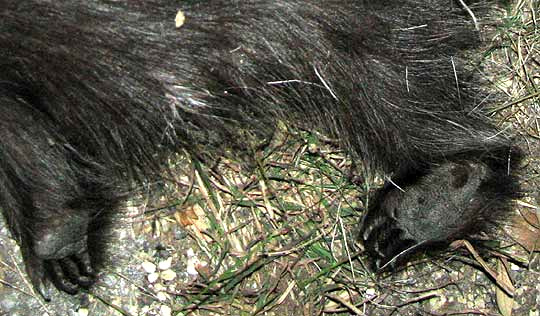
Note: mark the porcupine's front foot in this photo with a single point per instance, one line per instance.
(448, 202)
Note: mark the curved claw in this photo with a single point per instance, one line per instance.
(43, 288)
(72, 273)
(85, 264)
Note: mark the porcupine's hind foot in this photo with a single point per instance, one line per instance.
(61, 255)
(50, 198)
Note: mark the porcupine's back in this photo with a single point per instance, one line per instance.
(385, 77)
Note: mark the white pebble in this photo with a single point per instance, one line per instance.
(165, 310)
(149, 267)
(168, 275)
(162, 296)
(152, 277)
(165, 264)
(82, 312)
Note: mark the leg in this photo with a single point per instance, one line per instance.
(448, 202)
(45, 205)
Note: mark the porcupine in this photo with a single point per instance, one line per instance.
(96, 94)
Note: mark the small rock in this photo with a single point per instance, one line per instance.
(149, 267)
(165, 310)
(168, 275)
(165, 264)
(152, 277)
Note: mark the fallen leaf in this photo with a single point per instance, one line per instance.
(186, 217)
(526, 230)
(504, 301)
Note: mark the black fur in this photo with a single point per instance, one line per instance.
(95, 94)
